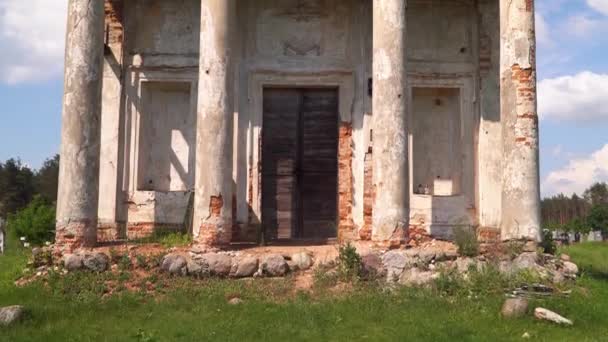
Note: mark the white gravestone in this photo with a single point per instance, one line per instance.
(1, 236)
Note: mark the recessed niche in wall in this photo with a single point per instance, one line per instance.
(437, 142)
(167, 137)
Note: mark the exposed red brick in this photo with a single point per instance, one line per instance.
(488, 235)
(214, 231)
(345, 182)
(114, 22)
(107, 232)
(526, 124)
(71, 236)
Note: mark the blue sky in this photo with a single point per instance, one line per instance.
(572, 71)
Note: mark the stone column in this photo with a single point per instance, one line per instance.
(80, 135)
(521, 189)
(390, 157)
(214, 185)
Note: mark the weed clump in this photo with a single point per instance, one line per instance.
(465, 238)
(349, 262)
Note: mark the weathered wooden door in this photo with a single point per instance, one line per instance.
(299, 163)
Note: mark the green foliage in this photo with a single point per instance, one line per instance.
(597, 194)
(36, 222)
(547, 243)
(349, 262)
(16, 186)
(598, 218)
(46, 179)
(124, 263)
(168, 238)
(465, 238)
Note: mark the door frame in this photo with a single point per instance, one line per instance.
(344, 82)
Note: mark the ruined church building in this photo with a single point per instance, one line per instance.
(298, 120)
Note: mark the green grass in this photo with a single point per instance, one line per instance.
(71, 309)
(167, 238)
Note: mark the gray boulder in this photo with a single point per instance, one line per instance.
(274, 265)
(416, 277)
(397, 261)
(570, 269)
(514, 307)
(11, 314)
(195, 269)
(175, 264)
(218, 264)
(244, 267)
(372, 266)
(97, 262)
(302, 261)
(73, 262)
(525, 261)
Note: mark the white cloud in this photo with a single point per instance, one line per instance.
(599, 5)
(32, 35)
(578, 175)
(581, 97)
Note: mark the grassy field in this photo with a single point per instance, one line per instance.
(72, 309)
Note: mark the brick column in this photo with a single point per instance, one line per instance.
(213, 197)
(390, 156)
(521, 189)
(80, 135)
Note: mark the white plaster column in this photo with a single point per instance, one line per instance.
(390, 156)
(521, 188)
(80, 136)
(214, 188)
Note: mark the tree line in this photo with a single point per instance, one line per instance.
(19, 184)
(578, 213)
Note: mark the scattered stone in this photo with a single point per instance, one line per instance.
(463, 265)
(514, 307)
(395, 262)
(244, 267)
(372, 266)
(564, 257)
(97, 262)
(72, 262)
(195, 269)
(218, 264)
(548, 315)
(174, 264)
(235, 301)
(302, 261)
(416, 277)
(525, 261)
(274, 265)
(570, 269)
(11, 314)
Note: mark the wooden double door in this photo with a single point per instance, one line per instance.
(300, 163)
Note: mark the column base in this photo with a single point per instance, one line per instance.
(215, 234)
(74, 235)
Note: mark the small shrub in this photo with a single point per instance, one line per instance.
(124, 263)
(547, 243)
(36, 222)
(465, 238)
(349, 262)
(115, 256)
(142, 261)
